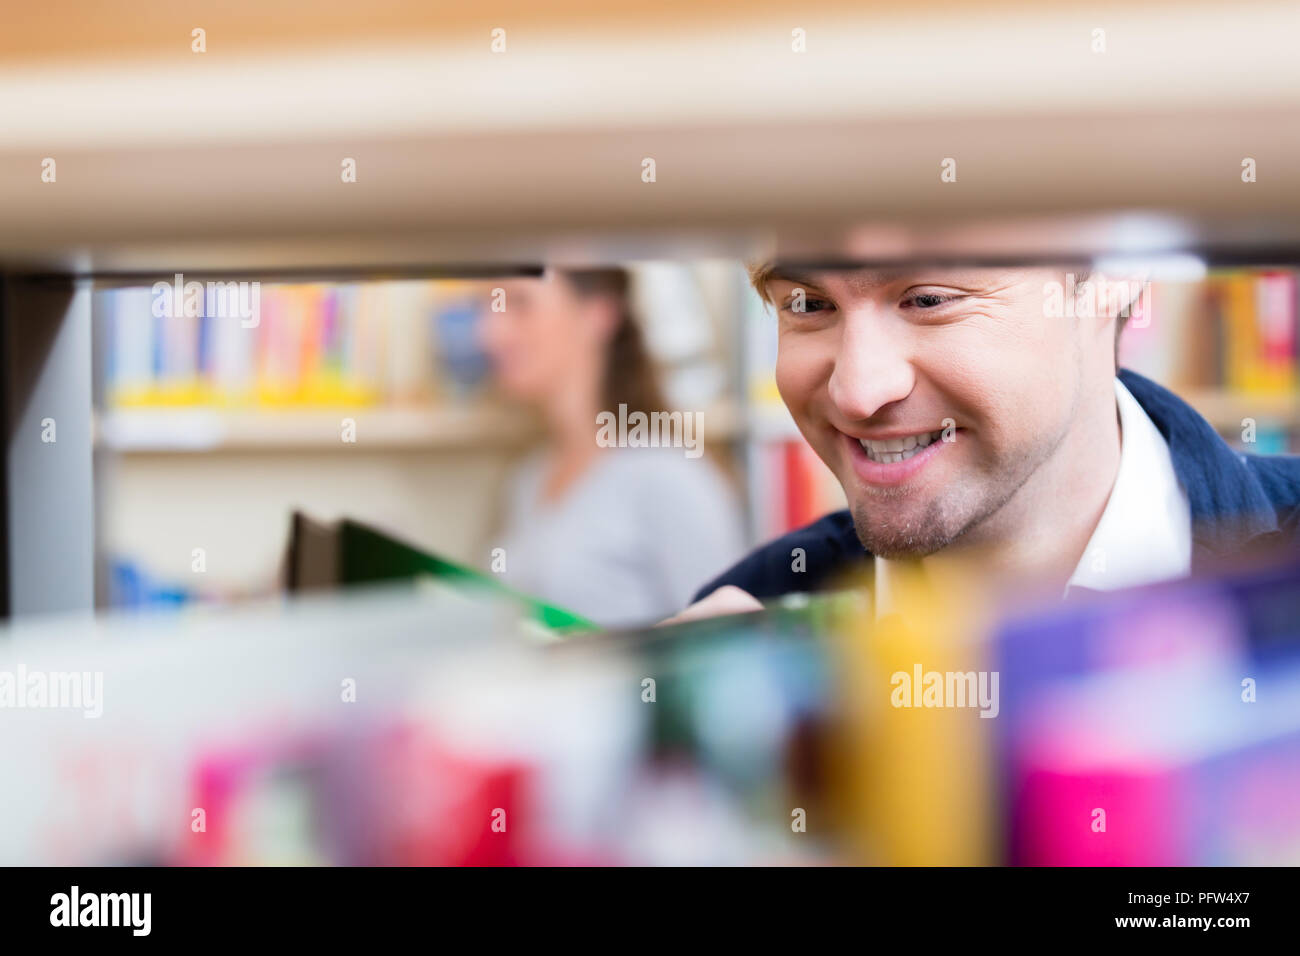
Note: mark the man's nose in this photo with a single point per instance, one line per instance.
(872, 369)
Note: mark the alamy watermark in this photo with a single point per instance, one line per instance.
(652, 430)
(219, 300)
(22, 689)
(946, 689)
(132, 911)
(1098, 295)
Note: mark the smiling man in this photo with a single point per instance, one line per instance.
(965, 415)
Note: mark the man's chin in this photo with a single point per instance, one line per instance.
(894, 539)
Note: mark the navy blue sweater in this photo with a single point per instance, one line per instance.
(1239, 503)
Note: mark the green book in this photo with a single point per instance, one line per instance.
(349, 553)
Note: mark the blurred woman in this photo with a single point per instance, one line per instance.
(622, 535)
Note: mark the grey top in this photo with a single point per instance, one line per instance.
(629, 542)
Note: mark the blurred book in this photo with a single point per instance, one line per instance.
(347, 553)
(1159, 726)
(310, 345)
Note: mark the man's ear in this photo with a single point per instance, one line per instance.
(1117, 300)
(1117, 295)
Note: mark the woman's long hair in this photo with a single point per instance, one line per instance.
(631, 378)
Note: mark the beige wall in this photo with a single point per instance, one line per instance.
(236, 506)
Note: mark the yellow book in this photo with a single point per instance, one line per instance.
(917, 772)
(1241, 334)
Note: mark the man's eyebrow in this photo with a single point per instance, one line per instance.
(858, 277)
(789, 275)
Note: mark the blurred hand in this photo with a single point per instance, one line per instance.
(728, 599)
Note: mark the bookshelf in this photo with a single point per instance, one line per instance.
(1229, 344)
(440, 428)
(220, 166)
(1225, 409)
(537, 153)
(358, 398)
(182, 430)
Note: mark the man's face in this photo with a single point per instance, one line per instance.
(934, 396)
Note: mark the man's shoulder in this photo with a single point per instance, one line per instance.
(1279, 476)
(807, 559)
(1230, 492)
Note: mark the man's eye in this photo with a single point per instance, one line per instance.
(929, 300)
(806, 304)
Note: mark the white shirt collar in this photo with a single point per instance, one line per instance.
(1145, 533)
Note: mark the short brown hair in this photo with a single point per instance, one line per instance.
(759, 273)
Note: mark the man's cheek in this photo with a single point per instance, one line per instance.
(794, 384)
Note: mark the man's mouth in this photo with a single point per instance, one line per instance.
(890, 451)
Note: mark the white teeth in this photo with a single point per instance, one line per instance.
(892, 450)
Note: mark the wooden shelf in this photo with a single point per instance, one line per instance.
(199, 430)
(1055, 143)
(146, 430)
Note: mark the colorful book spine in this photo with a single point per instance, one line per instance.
(1275, 309)
(1256, 314)
(310, 346)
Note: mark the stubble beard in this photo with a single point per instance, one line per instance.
(951, 515)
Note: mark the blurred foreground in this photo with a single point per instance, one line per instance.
(415, 725)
